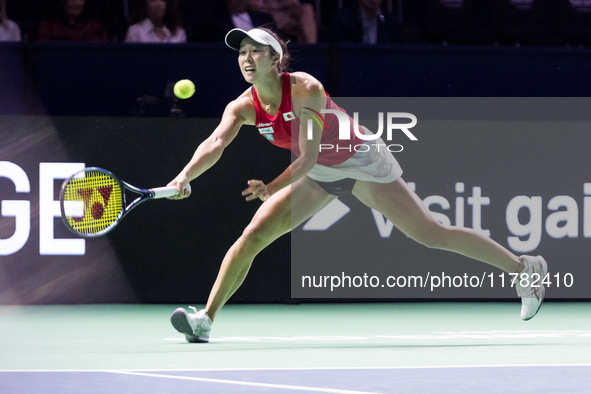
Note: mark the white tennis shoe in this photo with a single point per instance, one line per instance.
(529, 285)
(196, 326)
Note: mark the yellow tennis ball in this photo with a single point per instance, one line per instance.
(184, 89)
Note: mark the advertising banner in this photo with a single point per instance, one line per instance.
(515, 170)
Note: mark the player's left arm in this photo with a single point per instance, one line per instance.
(308, 96)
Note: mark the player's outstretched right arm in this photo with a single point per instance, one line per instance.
(209, 151)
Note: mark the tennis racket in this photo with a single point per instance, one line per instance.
(93, 202)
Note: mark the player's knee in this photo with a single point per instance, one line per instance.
(254, 235)
(432, 236)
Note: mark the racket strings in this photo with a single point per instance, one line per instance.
(94, 201)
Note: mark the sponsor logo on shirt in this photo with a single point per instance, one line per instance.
(266, 132)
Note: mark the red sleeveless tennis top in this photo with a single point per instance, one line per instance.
(284, 127)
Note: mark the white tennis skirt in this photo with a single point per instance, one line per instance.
(372, 162)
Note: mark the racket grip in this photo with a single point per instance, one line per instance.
(167, 191)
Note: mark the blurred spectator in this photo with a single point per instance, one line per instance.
(364, 22)
(9, 30)
(72, 23)
(211, 22)
(295, 19)
(156, 21)
(27, 14)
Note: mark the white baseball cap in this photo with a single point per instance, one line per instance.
(235, 36)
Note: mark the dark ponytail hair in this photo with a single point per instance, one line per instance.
(284, 64)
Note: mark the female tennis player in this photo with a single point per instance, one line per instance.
(279, 105)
